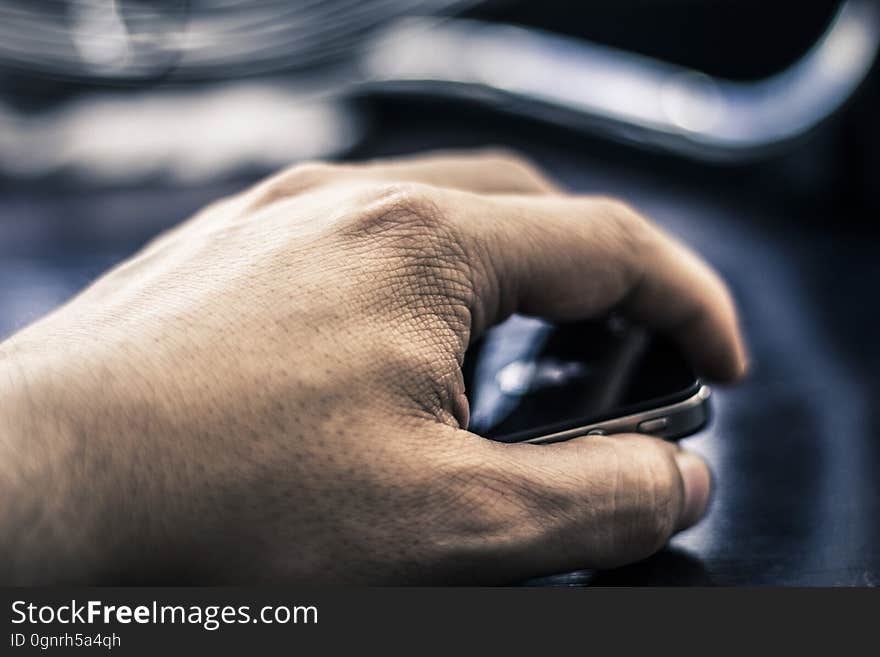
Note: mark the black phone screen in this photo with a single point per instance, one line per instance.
(527, 377)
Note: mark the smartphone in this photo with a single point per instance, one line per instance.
(532, 381)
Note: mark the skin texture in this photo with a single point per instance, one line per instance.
(271, 392)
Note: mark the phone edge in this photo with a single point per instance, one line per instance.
(681, 418)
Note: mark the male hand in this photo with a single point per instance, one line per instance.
(272, 391)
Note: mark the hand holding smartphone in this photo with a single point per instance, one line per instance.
(528, 380)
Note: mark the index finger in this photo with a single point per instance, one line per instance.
(570, 258)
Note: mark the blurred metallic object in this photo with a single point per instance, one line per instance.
(115, 137)
(327, 48)
(184, 133)
(191, 39)
(630, 97)
(128, 37)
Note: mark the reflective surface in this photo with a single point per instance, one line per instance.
(631, 96)
(189, 39)
(527, 378)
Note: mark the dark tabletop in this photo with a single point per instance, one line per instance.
(795, 449)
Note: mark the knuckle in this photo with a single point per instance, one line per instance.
(502, 156)
(631, 223)
(391, 205)
(635, 502)
(517, 165)
(410, 222)
(656, 510)
(306, 174)
(292, 181)
(629, 234)
(410, 245)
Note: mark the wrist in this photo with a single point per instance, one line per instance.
(49, 506)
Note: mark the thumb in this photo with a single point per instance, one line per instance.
(597, 501)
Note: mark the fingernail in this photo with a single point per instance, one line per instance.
(697, 487)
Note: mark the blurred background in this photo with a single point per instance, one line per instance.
(748, 128)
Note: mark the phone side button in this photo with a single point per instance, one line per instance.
(597, 432)
(653, 426)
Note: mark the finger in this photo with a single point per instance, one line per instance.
(572, 258)
(597, 502)
(482, 171)
(488, 171)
